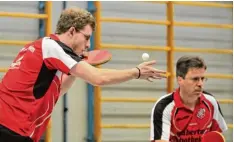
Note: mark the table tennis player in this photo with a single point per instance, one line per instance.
(46, 68)
(189, 112)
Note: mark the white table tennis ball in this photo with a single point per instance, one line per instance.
(145, 56)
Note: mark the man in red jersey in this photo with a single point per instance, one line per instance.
(46, 68)
(189, 112)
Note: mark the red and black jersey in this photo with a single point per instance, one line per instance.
(31, 86)
(172, 121)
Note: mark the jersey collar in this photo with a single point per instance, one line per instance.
(66, 48)
(54, 37)
(178, 101)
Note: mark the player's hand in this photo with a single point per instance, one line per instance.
(148, 72)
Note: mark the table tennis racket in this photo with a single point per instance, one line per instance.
(96, 57)
(213, 136)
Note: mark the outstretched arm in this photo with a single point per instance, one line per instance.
(99, 77)
(56, 59)
(68, 80)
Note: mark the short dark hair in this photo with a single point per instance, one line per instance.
(187, 62)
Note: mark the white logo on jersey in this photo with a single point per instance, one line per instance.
(201, 113)
(17, 63)
(31, 48)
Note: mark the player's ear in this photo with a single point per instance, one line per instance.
(71, 31)
(179, 79)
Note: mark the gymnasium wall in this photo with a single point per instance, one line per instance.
(132, 34)
(156, 35)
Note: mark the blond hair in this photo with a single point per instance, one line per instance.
(74, 17)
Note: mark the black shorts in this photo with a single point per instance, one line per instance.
(6, 135)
